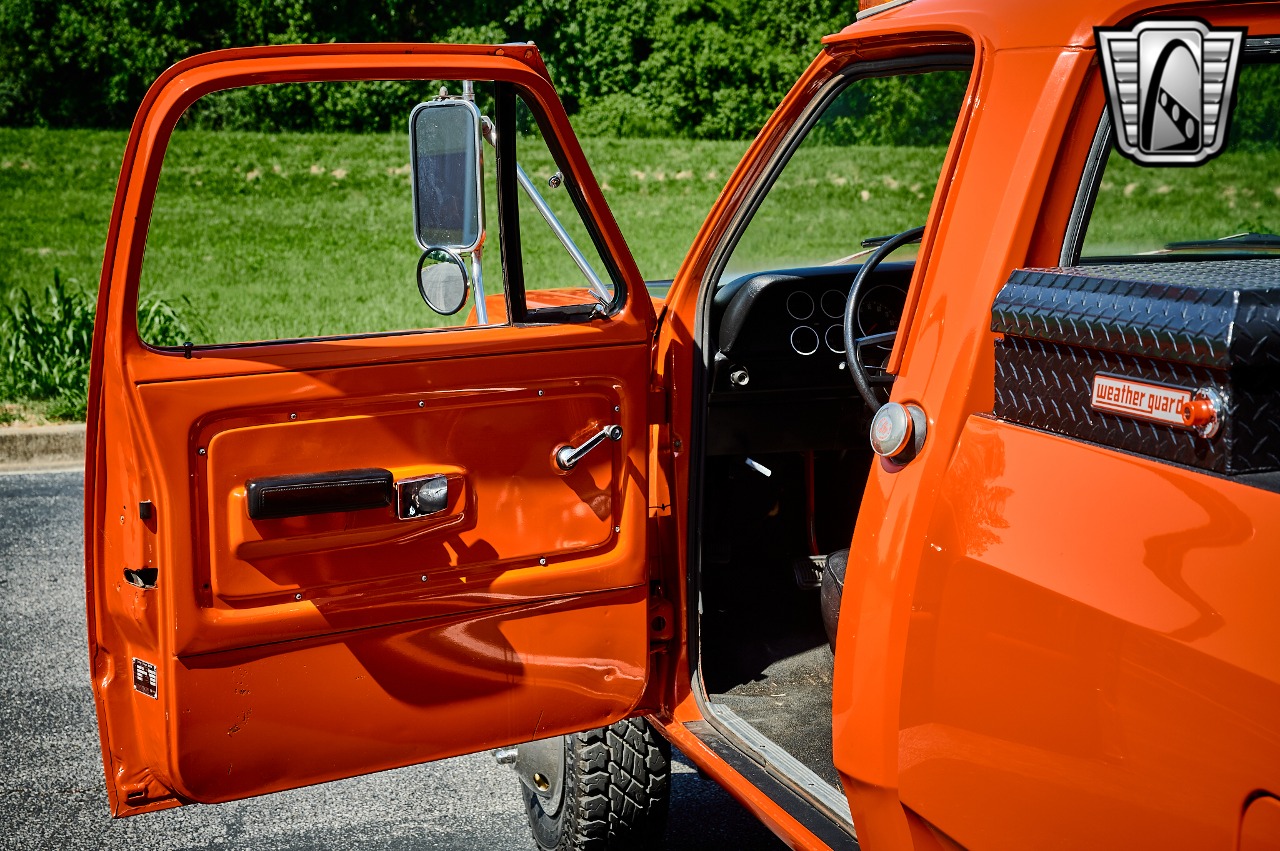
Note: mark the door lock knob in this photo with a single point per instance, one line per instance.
(567, 457)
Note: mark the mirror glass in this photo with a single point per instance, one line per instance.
(447, 206)
(443, 280)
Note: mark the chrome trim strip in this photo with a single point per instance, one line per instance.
(773, 756)
(883, 7)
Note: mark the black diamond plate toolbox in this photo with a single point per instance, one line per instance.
(1176, 360)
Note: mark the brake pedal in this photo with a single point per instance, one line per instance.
(808, 571)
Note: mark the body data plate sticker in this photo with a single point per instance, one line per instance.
(1155, 403)
(144, 677)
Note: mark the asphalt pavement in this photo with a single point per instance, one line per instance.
(54, 793)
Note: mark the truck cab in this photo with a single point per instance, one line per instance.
(931, 505)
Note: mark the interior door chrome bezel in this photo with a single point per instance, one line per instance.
(407, 489)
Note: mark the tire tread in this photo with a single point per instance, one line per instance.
(617, 790)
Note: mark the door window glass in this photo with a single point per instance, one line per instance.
(1229, 205)
(867, 167)
(282, 213)
(556, 248)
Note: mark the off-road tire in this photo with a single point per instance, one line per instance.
(617, 785)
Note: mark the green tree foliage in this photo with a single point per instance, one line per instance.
(904, 113)
(702, 68)
(88, 63)
(67, 64)
(710, 69)
(1255, 126)
(744, 59)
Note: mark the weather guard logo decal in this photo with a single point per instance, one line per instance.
(1169, 86)
(1140, 400)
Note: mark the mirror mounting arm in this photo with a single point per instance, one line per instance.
(597, 286)
(477, 278)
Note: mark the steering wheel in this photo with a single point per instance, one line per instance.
(872, 386)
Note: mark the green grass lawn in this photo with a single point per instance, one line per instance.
(56, 189)
(260, 236)
(1141, 209)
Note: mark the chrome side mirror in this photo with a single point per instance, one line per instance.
(448, 201)
(443, 281)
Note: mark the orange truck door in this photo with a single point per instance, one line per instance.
(264, 610)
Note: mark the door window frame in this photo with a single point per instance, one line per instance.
(959, 54)
(946, 51)
(188, 81)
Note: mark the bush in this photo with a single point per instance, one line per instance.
(620, 116)
(45, 346)
(895, 111)
(709, 69)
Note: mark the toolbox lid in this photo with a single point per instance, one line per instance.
(1216, 313)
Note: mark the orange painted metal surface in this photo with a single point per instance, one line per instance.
(1260, 827)
(1041, 641)
(1012, 177)
(898, 676)
(298, 650)
(1111, 673)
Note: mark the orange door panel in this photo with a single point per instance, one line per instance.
(509, 506)
(261, 616)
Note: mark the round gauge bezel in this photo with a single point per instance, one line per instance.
(797, 312)
(817, 340)
(900, 302)
(823, 302)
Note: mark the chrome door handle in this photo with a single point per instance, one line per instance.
(567, 457)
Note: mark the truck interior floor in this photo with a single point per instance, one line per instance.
(763, 651)
(788, 703)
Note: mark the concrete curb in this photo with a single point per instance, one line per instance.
(42, 447)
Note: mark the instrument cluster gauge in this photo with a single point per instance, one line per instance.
(880, 310)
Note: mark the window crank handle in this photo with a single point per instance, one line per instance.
(567, 457)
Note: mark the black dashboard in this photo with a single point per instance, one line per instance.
(779, 380)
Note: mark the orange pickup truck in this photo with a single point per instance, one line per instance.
(967, 535)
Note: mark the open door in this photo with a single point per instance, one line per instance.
(318, 554)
